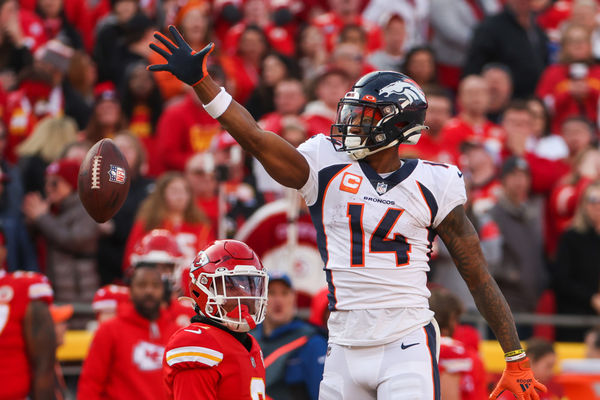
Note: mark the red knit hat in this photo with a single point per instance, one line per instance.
(66, 169)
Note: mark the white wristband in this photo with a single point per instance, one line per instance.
(219, 104)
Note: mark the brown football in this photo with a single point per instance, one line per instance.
(103, 181)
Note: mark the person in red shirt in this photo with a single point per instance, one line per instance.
(430, 145)
(184, 128)
(471, 124)
(347, 13)
(200, 173)
(214, 357)
(27, 338)
(572, 86)
(329, 87)
(125, 357)
(462, 374)
(171, 206)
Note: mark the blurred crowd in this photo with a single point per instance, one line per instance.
(513, 88)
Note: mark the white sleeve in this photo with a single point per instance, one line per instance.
(454, 193)
(310, 151)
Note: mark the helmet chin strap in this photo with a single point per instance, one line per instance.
(411, 136)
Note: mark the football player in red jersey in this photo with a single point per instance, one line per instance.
(159, 248)
(215, 357)
(27, 339)
(462, 373)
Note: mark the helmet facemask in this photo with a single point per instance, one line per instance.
(364, 128)
(236, 298)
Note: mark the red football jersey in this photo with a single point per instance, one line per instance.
(205, 362)
(17, 290)
(455, 358)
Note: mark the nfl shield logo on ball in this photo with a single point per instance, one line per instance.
(116, 174)
(381, 187)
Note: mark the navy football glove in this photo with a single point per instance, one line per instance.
(187, 65)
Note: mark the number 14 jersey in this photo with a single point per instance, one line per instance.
(375, 232)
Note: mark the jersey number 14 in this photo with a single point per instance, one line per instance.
(379, 241)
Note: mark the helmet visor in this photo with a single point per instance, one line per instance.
(355, 124)
(239, 290)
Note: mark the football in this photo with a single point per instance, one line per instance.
(103, 181)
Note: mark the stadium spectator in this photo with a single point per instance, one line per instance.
(439, 111)
(125, 357)
(107, 115)
(259, 13)
(547, 144)
(518, 125)
(577, 270)
(289, 102)
(200, 173)
(27, 340)
(311, 52)
(513, 38)
(111, 245)
(452, 26)
(133, 47)
(478, 162)
(521, 275)
(142, 105)
(110, 32)
(70, 234)
(171, 206)
(462, 373)
(471, 123)
(38, 95)
(592, 343)
(15, 53)
(565, 196)
(245, 64)
(18, 252)
(391, 56)
(419, 63)
(571, 87)
(343, 13)
(78, 87)
(294, 350)
(56, 24)
(350, 58)
(328, 88)
(275, 69)
(184, 128)
(416, 14)
(44, 146)
(500, 85)
(193, 18)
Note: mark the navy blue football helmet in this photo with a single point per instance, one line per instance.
(383, 108)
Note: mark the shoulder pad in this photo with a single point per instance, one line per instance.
(194, 347)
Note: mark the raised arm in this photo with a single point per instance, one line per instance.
(38, 330)
(281, 160)
(462, 241)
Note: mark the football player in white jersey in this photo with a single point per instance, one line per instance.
(376, 216)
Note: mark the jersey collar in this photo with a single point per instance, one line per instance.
(383, 185)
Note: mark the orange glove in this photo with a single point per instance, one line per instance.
(518, 379)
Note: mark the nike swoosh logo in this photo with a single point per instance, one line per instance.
(459, 174)
(199, 331)
(404, 347)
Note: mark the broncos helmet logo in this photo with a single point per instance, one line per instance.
(410, 91)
